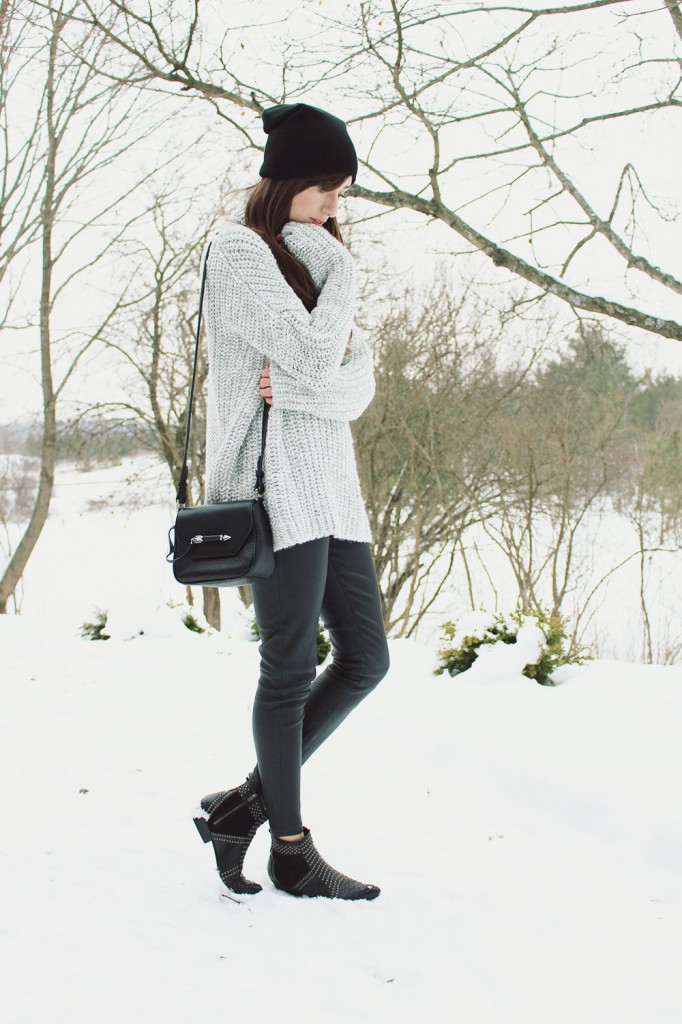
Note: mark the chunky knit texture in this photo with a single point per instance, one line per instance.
(312, 487)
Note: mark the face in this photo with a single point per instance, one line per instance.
(314, 205)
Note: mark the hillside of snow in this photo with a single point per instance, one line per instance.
(527, 838)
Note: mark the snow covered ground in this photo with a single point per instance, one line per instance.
(527, 839)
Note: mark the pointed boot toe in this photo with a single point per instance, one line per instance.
(297, 868)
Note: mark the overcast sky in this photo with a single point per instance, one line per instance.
(407, 243)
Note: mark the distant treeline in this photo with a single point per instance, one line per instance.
(86, 440)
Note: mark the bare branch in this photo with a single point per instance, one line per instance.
(503, 258)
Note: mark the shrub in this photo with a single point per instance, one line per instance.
(190, 621)
(323, 643)
(95, 630)
(459, 652)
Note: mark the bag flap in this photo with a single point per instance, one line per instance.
(232, 520)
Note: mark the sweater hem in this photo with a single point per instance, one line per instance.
(301, 533)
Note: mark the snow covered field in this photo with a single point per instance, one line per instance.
(527, 839)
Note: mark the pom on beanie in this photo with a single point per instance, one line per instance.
(305, 141)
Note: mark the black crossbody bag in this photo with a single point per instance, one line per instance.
(224, 544)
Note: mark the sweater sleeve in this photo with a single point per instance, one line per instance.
(345, 398)
(247, 291)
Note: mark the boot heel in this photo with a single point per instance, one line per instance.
(203, 829)
(230, 821)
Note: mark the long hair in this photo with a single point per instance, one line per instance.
(267, 211)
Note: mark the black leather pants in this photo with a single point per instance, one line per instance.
(294, 711)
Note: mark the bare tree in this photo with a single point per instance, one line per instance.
(21, 144)
(18, 490)
(503, 95)
(654, 507)
(425, 449)
(155, 338)
(562, 443)
(84, 126)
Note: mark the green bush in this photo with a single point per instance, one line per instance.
(323, 644)
(95, 630)
(455, 658)
(190, 621)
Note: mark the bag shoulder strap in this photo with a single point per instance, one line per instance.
(181, 496)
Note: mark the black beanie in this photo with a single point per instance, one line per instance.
(304, 142)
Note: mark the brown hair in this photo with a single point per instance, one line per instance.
(267, 211)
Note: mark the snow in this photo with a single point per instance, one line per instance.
(526, 838)
(498, 660)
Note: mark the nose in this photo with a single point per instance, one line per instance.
(330, 207)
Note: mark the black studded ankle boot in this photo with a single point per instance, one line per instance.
(297, 868)
(230, 820)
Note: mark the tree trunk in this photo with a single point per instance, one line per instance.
(24, 549)
(48, 452)
(212, 606)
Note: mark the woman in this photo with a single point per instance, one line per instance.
(280, 302)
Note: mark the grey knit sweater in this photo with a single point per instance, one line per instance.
(311, 480)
